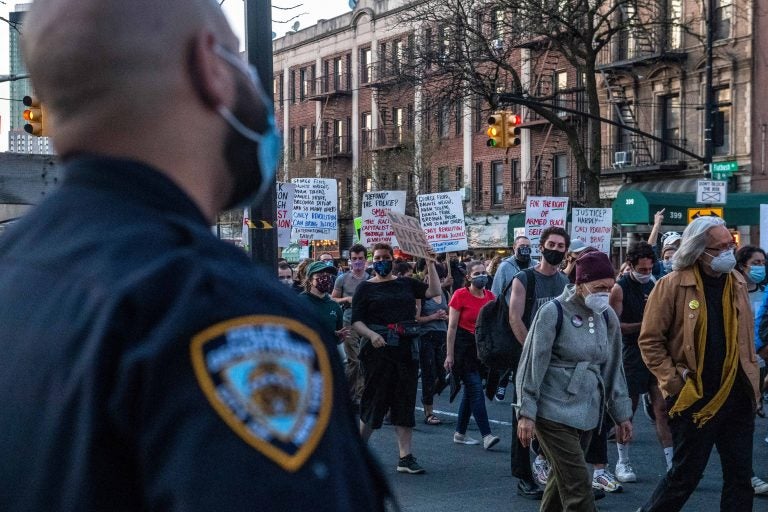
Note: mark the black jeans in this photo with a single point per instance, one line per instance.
(520, 460)
(730, 431)
(431, 358)
(597, 451)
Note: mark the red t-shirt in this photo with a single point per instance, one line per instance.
(469, 306)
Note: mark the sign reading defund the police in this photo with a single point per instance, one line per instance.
(285, 195)
(315, 215)
(442, 218)
(376, 226)
(542, 212)
(593, 226)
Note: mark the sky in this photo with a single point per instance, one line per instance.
(306, 13)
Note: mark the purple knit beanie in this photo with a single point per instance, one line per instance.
(593, 266)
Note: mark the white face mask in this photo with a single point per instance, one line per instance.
(641, 278)
(723, 262)
(597, 302)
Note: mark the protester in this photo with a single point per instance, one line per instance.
(569, 372)
(461, 354)
(384, 312)
(432, 315)
(577, 249)
(546, 283)
(319, 281)
(151, 365)
(285, 274)
(697, 340)
(300, 276)
(343, 291)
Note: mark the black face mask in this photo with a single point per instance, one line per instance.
(523, 254)
(552, 256)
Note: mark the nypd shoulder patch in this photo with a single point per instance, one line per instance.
(270, 380)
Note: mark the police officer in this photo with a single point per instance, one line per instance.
(151, 366)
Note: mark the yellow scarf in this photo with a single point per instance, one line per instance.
(694, 389)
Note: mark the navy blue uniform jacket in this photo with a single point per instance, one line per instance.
(147, 365)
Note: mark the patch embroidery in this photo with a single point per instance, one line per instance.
(270, 380)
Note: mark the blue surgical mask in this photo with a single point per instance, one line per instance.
(667, 266)
(757, 274)
(383, 267)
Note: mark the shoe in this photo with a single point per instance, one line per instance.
(625, 473)
(529, 489)
(759, 486)
(541, 470)
(501, 392)
(598, 494)
(409, 465)
(648, 408)
(464, 439)
(606, 482)
(490, 441)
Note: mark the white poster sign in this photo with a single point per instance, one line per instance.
(711, 192)
(542, 212)
(764, 226)
(376, 226)
(593, 226)
(442, 218)
(315, 209)
(285, 195)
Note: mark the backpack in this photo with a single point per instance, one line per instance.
(497, 346)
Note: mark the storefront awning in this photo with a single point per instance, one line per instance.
(635, 206)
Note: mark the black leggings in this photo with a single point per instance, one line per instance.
(431, 358)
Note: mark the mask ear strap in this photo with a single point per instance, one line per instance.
(239, 126)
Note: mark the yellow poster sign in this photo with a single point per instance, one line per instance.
(695, 213)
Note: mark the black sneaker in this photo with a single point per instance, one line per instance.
(408, 464)
(648, 408)
(501, 392)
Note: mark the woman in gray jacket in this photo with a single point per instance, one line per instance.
(570, 370)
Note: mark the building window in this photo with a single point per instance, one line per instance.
(459, 116)
(561, 84)
(365, 65)
(478, 195)
(338, 72)
(721, 133)
(497, 24)
(292, 86)
(398, 56)
(304, 85)
(366, 137)
(411, 116)
(292, 144)
(515, 171)
(278, 91)
(443, 182)
(303, 138)
(459, 177)
(722, 28)
(497, 179)
(428, 182)
(478, 114)
(443, 120)
(338, 137)
(560, 175)
(397, 124)
(670, 124)
(675, 30)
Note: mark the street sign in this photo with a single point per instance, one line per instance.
(723, 170)
(711, 192)
(695, 213)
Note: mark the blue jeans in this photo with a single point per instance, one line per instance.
(473, 401)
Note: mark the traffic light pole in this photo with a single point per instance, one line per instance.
(709, 92)
(258, 43)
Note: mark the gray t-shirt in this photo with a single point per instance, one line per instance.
(547, 288)
(429, 307)
(347, 283)
(507, 270)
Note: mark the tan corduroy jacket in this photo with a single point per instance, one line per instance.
(667, 341)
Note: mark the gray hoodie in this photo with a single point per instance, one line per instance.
(571, 378)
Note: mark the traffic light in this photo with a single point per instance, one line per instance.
(511, 130)
(495, 130)
(33, 115)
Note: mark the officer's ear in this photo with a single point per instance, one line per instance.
(211, 76)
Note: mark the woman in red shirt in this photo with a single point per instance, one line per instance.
(461, 358)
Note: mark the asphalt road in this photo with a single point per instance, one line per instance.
(468, 478)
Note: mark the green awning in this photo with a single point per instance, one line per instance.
(292, 253)
(633, 206)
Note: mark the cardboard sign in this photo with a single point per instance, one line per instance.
(410, 235)
(593, 226)
(376, 226)
(442, 218)
(285, 195)
(315, 209)
(542, 212)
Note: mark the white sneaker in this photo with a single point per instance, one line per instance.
(606, 482)
(541, 470)
(759, 485)
(464, 439)
(625, 473)
(490, 441)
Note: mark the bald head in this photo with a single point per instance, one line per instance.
(93, 60)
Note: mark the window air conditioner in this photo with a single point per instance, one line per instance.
(622, 158)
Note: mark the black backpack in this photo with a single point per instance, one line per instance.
(497, 346)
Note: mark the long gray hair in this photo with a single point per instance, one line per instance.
(695, 240)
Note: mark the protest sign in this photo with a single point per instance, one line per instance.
(593, 226)
(542, 212)
(315, 209)
(285, 195)
(442, 218)
(410, 235)
(376, 226)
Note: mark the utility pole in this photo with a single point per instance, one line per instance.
(258, 45)
(709, 92)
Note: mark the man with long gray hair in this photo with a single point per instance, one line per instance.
(696, 338)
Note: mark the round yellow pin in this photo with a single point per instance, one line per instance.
(694, 304)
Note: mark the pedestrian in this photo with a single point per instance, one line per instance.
(577, 249)
(343, 291)
(154, 366)
(570, 371)
(532, 288)
(432, 316)
(628, 300)
(697, 340)
(300, 276)
(384, 312)
(319, 281)
(461, 354)
(285, 274)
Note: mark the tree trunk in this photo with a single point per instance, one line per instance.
(594, 135)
